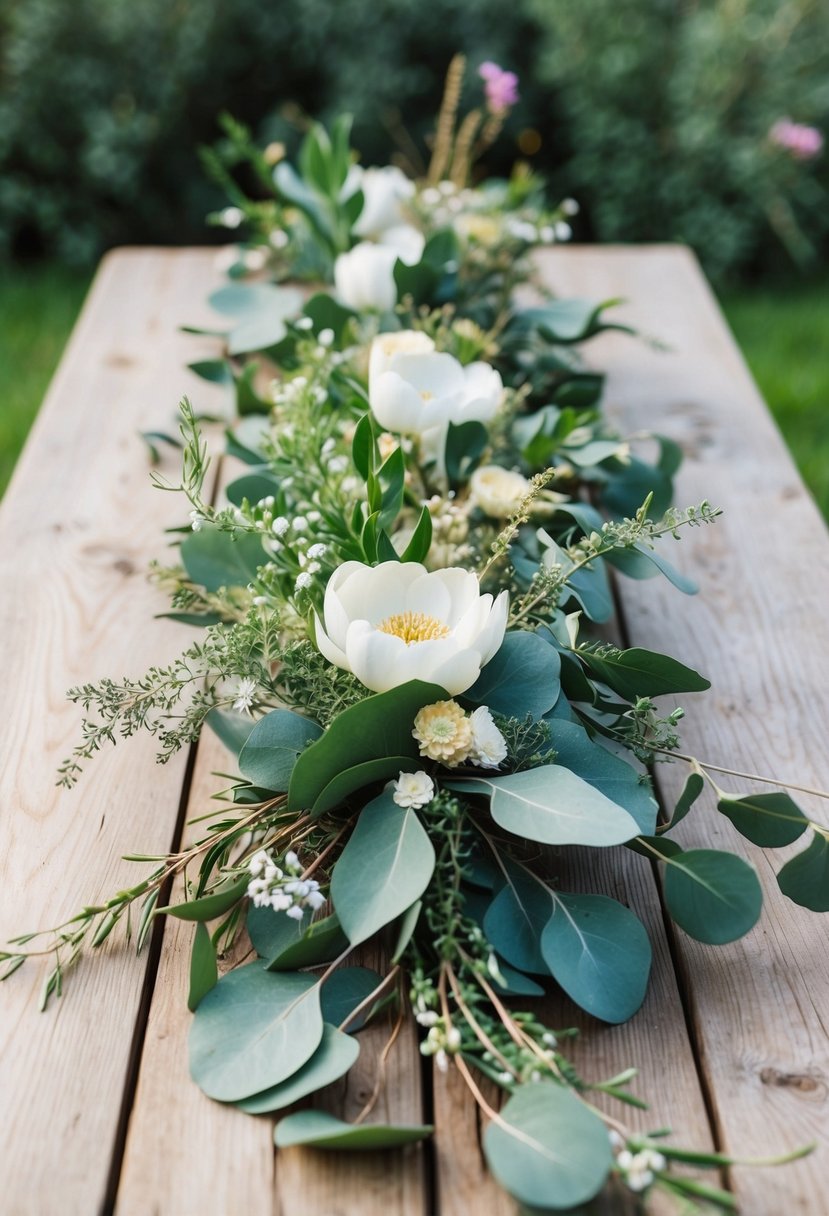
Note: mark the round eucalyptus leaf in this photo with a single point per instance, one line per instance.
(318, 1129)
(332, 1059)
(343, 991)
(515, 919)
(805, 879)
(271, 749)
(253, 1030)
(599, 953)
(769, 820)
(714, 896)
(522, 678)
(547, 1149)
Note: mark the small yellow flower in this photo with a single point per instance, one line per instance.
(444, 733)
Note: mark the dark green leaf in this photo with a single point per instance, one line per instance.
(610, 774)
(642, 673)
(691, 791)
(714, 896)
(359, 776)
(515, 919)
(272, 932)
(321, 942)
(344, 991)
(805, 879)
(522, 678)
(318, 1129)
(465, 444)
(770, 820)
(208, 907)
(204, 971)
(421, 539)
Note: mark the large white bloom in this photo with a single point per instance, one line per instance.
(386, 347)
(385, 194)
(498, 492)
(396, 622)
(364, 277)
(418, 390)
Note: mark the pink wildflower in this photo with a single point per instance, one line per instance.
(501, 88)
(803, 142)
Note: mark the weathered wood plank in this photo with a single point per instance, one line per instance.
(77, 528)
(759, 628)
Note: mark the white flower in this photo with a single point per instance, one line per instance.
(280, 525)
(498, 492)
(245, 695)
(413, 789)
(385, 193)
(364, 277)
(424, 390)
(318, 549)
(303, 581)
(489, 747)
(231, 217)
(386, 347)
(396, 622)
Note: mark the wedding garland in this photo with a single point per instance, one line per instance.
(397, 597)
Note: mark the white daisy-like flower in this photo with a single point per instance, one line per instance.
(245, 695)
(489, 749)
(413, 790)
(396, 622)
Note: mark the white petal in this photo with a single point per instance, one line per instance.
(329, 649)
(492, 635)
(428, 594)
(462, 586)
(458, 672)
(377, 659)
(396, 404)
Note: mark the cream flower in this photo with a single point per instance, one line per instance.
(364, 277)
(413, 790)
(386, 347)
(498, 492)
(385, 193)
(489, 748)
(425, 390)
(444, 733)
(396, 622)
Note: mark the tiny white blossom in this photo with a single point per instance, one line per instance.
(428, 1018)
(325, 337)
(254, 259)
(413, 789)
(304, 323)
(303, 581)
(280, 525)
(339, 464)
(245, 695)
(197, 520)
(279, 239)
(260, 600)
(563, 231)
(314, 567)
(292, 860)
(317, 550)
(295, 912)
(569, 206)
(313, 517)
(442, 1060)
(231, 217)
(489, 748)
(300, 524)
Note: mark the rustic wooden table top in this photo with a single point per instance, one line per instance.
(732, 1043)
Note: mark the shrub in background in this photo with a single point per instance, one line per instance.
(667, 109)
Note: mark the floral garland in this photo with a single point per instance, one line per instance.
(397, 597)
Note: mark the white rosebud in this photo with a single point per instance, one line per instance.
(364, 277)
(413, 789)
(489, 748)
(385, 192)
(425, 390)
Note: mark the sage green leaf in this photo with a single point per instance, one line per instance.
(204, 971)
(231, 728)
(273, 746)
(260, 310)
(609, 774)
(805, 879)
(405, 932)
(374, 729)
(553, 805)
(769, 820)
(385, 866)
(253, 1030)
(213, 559)
(547, 1148)
(208, 907)
(599, 953)
(321, 942)
(690, 792)
(359, 776)
(514, 983)
(714, 896)
(253, 486)
(346, 989)
(515, 919)
(522, 678)
(641, 673)
(318, 1129)
(272, 932)
(565, 321)
(336, 1053)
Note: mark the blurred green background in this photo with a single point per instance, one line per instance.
(655, 114)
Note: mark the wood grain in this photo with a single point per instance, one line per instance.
(78, 526)
(760, 630)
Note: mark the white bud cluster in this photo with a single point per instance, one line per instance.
(284, 890)
(639, 1169)
(442, 1041)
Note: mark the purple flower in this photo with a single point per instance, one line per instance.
(501, 88)
(803, 142)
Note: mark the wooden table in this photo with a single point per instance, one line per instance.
(732, 1043)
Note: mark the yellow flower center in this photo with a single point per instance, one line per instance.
(425, 395)
(414, 627)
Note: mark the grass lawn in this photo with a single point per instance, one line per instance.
(782, 329)
(784, 333)
(38, 306)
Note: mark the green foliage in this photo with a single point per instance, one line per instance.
(332, 1059)
(522, 678)
(805, 879)
(769, 820)
(204, 971)
(273, 746)
(318, 1129)
(548, 1149)
(714, 896)
(384, 868)
(666, 110)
